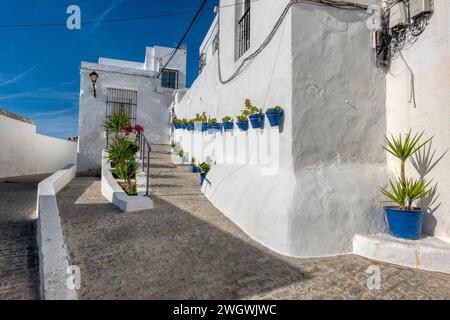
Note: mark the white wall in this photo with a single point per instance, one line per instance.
(25, 152)
(429, 59)
(319, 69)
(152, 109)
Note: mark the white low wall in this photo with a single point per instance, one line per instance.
(25, 152)
(53, 255)
(115, 194)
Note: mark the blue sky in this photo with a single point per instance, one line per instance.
(39, 72)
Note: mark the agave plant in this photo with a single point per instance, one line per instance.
(127, 171)
(121, 150)
(117, 123)
(404, 149)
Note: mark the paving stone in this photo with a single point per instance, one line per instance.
(19, 257)
(184, 248)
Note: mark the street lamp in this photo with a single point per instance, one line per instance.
(94, 77)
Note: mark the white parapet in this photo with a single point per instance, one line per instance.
(428, 253)
(54, 259)
(112, 191)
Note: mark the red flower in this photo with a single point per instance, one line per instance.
(128, 129)
(139, 128)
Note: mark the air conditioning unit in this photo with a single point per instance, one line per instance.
(398, 15)
(420, 7)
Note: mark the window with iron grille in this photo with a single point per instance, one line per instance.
(169, 79)
(124, 101)
(202, 62)
(216, 43)
(244, 30)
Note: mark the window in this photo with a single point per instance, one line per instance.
(244, 29)
(216, 43)
(124, 101)
(202, 62)
(169, 79)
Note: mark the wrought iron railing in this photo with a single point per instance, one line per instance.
(244, 33)
(144, 155)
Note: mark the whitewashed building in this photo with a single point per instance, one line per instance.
(132, 87)
(319, 65)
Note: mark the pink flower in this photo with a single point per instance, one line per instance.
(139, 128)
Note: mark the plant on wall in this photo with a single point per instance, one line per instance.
(405, 220)
(274, 115)
(116, 123)
(127, 171)
(121, 150)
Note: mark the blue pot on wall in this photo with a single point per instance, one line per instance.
(242, 125)
(178, 125)
(405, 224)
(256, 120)
(227, 126)
(204, 126)
(274, 117)
(194, 169)
(202, 179)
(215, 127)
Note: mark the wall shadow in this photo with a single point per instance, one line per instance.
(169, 252)
(424, 161)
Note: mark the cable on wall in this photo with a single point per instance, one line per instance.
(330, 3)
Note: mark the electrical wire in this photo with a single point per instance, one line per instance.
(199, 10)
(331, 3)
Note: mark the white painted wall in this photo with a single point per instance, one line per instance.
(429, 60)
(25, 152)
(330, 164)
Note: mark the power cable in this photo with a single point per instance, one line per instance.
(199, 10)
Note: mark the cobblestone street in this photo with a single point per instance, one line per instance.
(184, 248)
(19, 270)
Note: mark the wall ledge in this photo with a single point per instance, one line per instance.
(428, 253)
(54, 258)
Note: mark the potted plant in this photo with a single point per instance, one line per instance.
(116, 123)
(213, 125)
(201, 122)
(227, 123)
(405, 220)
(254, 114)
(178, 123)
(274, 115)
(193, 167)
(204, 169)
(183, 157)
(242, 122)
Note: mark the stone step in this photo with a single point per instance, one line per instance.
(428, 253)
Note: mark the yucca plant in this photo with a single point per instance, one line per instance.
(403, 149)
(121, 150)
(116, 123)
(404, 194)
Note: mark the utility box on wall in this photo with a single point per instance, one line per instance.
(419, 7)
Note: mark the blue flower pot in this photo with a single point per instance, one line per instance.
(215, 126)
(204, 126)
(256, 120)
(184, 126)
(228, 126)
(242, 125)
(194, 169)
(178, 126)
(202, 179)
(405, 224)
(274, 117)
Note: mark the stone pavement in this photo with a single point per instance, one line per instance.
(184, 248)
(19, 258)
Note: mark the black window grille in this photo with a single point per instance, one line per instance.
(202, 62)
(124, 101)
(169, 79)
(244, 30)
(216, 43)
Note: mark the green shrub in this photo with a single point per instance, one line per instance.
(127, 171)
(226, 119)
